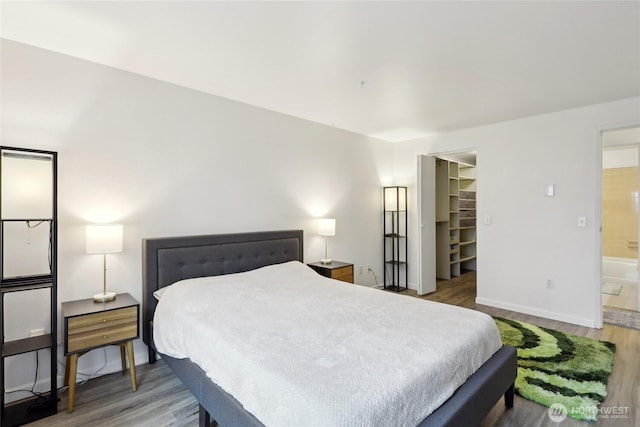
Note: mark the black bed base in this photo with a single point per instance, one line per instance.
(215, 403)
(468, 406)
(471, 403)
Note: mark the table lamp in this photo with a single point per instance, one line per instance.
(104, 239)
(326, 228)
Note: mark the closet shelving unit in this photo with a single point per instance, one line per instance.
(395, 246)
(28, 200)
(455, 218)
(467, 208)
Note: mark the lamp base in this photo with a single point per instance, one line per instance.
(108, 296)
(326, 261)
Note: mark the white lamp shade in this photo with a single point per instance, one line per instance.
(327, 227)
(395, 199)
(104, 238)
(27, 185)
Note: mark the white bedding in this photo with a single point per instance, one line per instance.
(296, 348)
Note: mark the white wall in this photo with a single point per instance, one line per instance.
(532, 237)
(164, 160)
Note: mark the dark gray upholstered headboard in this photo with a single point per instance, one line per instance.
(170, 259)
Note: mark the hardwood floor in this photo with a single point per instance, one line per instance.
(162, 400)
(624, 383)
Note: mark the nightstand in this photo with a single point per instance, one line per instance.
(89, 325)
(336, 270)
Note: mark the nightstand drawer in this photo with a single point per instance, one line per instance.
(344, 273)
(98, 329)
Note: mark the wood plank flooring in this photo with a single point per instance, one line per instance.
(624, 383)
(162, 400)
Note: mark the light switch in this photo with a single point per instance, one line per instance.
(582, 221)
(549, 190)
(487, 220)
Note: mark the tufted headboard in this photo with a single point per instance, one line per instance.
(170, 259)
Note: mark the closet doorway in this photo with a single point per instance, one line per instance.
(447, 192)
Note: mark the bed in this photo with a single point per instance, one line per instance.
(170, 260)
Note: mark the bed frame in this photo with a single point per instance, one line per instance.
(167, 260)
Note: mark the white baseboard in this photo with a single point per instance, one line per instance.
(590, 323)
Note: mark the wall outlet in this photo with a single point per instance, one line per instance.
(36, 332)
(550, 284)
(582, 221)
(361, 270)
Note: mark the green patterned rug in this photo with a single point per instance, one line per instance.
(558, 368)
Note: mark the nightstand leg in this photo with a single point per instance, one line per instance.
(132, 366)
(72, 363)
(66, 372)
(123, 358)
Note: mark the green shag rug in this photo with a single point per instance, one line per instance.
(558, 368)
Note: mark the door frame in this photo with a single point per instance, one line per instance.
(598, 309)
(425, 285)
(444, 155)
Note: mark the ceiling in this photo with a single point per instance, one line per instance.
(391, 70)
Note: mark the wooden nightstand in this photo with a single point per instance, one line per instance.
(89, 325)
(336, 270)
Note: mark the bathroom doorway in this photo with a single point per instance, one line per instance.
(620, 222)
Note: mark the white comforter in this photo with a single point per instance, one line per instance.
(297, 349)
